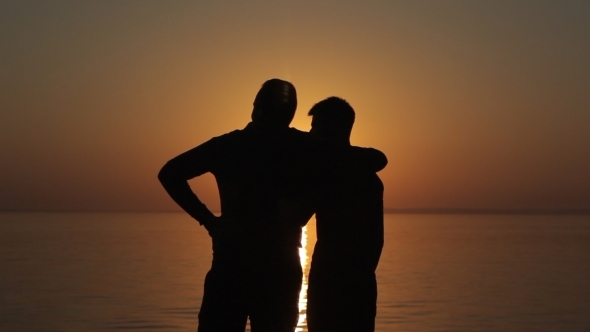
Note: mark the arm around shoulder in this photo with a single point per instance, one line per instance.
(371, 159)
(380, 159)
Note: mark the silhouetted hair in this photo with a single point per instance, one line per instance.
(334, 115)
(275, 103)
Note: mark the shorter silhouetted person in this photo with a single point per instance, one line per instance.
(342, 291)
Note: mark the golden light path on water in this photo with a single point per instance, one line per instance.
(303, 256)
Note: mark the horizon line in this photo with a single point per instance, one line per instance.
(580, 211)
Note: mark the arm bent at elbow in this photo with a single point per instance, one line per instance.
(175, 182)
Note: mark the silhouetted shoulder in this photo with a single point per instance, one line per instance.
(200, 159)
(232, 135)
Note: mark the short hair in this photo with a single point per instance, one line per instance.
(333, 113)
(275, 102)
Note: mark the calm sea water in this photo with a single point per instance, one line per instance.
(144, 272)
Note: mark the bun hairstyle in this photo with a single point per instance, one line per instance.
(275, 103)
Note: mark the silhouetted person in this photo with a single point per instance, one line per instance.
(342, 291)
(265, 174)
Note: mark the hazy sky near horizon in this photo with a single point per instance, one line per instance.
(477, 104)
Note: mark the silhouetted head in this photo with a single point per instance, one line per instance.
(332, 119)
(275, 103)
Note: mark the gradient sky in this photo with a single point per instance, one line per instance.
(477, 104)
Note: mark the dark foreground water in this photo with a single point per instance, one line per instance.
(144, 272)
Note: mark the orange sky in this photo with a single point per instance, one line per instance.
(476, 104)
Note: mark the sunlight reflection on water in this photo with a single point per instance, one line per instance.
(302, 323)
(307, 243)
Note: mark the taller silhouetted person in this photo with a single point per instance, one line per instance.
(342, 291)
(266, 175)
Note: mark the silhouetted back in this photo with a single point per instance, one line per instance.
(255, 169)
(350, 224)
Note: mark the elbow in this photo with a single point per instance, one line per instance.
(165, 174)
(380, 160)
(384, 160)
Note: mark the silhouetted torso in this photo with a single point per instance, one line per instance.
(350, 224)
(255, 169)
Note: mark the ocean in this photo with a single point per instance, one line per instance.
(84, 272)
